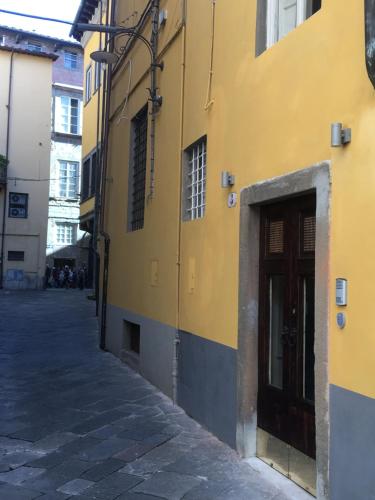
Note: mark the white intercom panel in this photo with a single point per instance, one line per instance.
(341, 292)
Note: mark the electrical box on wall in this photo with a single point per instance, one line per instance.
(341, 292)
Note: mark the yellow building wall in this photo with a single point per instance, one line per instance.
(91, 130)
(271, 115)
(29, 157)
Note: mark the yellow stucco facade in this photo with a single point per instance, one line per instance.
(264, 116)
(270, 115)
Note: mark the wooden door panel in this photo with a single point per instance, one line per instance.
(286, 322)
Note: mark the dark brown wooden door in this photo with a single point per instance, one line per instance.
(286, 322)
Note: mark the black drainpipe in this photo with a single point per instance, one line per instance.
(107, 84)
(3, 229)
(370, 39)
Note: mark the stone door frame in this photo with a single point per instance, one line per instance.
(316, 178)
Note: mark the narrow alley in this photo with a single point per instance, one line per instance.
(77, 423)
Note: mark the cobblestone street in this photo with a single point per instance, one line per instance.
(77, 423)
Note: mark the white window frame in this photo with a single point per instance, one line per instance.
(195, 180)
(68, 181)
(88, 83)
(65, 233)
(2, 40)
(273, 19)
(64, 115)
(70, 59)
(34, 46)
(97, 75)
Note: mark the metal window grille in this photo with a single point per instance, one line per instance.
(139, 169)
(65, 234)
(70, 60)
(196, 180)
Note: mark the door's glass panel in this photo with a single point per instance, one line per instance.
(308, 338)
(276, 322)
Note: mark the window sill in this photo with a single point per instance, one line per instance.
(66, 134)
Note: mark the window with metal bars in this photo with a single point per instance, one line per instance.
(138, 163)
(195, 180)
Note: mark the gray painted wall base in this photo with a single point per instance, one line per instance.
(156, 349)
(352, 447)
(206, 387)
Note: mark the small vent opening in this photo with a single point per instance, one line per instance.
(309, 229)
(16, 255)
(276, 237)
(132, 337)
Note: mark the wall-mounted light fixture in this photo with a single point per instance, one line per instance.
(339, 135)
(227, 179)
(163, 16)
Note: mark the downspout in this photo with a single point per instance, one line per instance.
(102, 191)
(370, 39)
(3, 229)
(155, 99)
(181, 145)
(97, 178)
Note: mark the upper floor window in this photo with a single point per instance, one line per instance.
(276, 18)
(18, 205)
(137, 172)
(68, 179)
(70, 59)
(68, 115)
(195, 180)
(88, 84)
(97, 76)
(34, 46)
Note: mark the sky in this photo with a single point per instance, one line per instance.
(60, 9)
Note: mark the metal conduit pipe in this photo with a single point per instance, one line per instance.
(107, 82)
(97, 176)
(370, 39)
(3, 229)
(155, 100)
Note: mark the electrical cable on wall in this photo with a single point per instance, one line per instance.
(209, 100)
(122, 114)
(40, 18)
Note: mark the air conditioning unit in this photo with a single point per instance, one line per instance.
(18, 199)
(18, 212)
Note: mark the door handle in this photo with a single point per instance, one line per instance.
(289, 336)
(292, 339)
(285, 335)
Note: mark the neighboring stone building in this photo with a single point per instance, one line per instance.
(25, 146)
(66, 243)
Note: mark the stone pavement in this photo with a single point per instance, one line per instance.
(77, 423)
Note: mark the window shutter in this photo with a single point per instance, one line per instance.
(276, 237)
(288, 10)
(80, 115)
(58, 114)
(291, 14)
